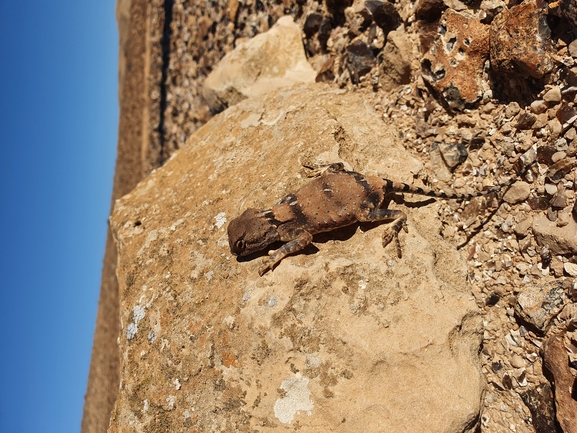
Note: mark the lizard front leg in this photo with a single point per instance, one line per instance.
(299, 239)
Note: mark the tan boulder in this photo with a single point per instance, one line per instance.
(343, 337)
(258, 65)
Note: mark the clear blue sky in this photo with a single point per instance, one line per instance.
(58, 132)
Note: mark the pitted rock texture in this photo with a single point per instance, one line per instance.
(344, 337)
(455, 62)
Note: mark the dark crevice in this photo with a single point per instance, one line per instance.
(164, 152)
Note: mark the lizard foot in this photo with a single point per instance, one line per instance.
(392, 233)
(265, 267)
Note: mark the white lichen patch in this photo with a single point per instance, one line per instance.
(220, 219)
(139, 312)
(297, 398)
(131, 331)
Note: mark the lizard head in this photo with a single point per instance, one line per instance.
(251, 232)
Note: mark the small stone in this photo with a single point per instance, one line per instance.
(525, 121)
(539, 106)
(312, 24)
(553, 95)
(559, 201)
(429, 10)
(384, 14)
(439, 167)
(550, 189)
(522, 228)
(558, 156)
(538, 305)
(555, 128)
(512, 109)
(360, 60)
(259, 65)
(453, 154)
(540, 402)
(564, 218)
(556, 267)
(395, 67)
(561, 145)
(517, 361)
(517, 193)
(571, 269)
(572, 48)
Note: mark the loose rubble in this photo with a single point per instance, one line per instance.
(474, 102)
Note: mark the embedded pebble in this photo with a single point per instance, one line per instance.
(517, 361)
(522, 227)
(517, 193)
(572, 48)
(538, 305)
(557, 156)
(539, 106)
(570, 268)
(550, 189)
(553, 95)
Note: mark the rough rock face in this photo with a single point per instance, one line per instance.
(454, 64)
(268, 61)
(520, 39)
(344, 338)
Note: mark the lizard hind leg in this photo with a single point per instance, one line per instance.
(391, 233)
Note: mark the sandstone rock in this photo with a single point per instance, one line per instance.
(519, 41)
(395, 68)
(454, 64)
(559, 240)
(266, 62)
(538, 305)
(343, 338)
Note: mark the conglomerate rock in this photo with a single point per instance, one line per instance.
(347, 338)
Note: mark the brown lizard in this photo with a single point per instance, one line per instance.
(336, 199)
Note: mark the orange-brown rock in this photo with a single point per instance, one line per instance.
(520, 39)
(454, 64)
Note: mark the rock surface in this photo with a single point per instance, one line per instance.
(346, 338)
(266, 62)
